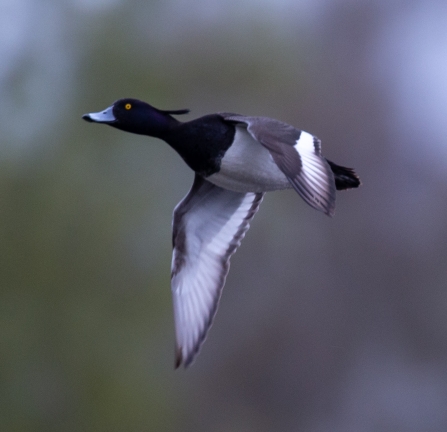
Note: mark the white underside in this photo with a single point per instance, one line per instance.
(248, 167)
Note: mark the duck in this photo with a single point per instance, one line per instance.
(236, 159)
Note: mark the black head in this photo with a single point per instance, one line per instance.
(133, 115)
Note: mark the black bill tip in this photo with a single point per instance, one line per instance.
(87, 117)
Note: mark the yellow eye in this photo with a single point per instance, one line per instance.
(128, 106)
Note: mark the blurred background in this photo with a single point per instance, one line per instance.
(325, 324)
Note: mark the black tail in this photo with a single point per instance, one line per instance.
(345, 178)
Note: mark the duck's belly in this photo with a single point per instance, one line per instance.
(248, 167)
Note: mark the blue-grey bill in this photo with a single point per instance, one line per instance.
(105, 116)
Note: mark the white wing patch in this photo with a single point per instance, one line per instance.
(211, 223)
(316, 173)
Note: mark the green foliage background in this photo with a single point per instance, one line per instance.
(324, 324)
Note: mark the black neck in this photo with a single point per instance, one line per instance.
(201, 142)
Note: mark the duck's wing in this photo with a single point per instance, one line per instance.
(298, 155)
(208, 226)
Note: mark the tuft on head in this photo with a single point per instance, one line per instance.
(175, 112)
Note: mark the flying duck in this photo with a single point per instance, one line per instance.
(236, 159)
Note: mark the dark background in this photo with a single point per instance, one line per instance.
(325, 324)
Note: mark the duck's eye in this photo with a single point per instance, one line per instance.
(128, 106)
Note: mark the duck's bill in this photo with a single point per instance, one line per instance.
(105, 116)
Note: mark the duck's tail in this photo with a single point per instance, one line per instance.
(345, 178)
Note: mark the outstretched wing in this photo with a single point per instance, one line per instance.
(298, 155)
(208, 226)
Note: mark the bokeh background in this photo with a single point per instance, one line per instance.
(325, 324)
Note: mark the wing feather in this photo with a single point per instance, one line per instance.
(298, 155)
(208, 226)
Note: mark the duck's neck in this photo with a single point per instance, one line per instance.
(201, 142)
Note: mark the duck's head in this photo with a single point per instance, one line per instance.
(133, 115)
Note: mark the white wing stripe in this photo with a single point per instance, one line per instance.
(314, 169)
(305, 142)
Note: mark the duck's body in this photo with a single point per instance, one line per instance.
(248, 166)
(236, 159)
